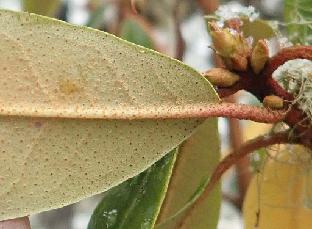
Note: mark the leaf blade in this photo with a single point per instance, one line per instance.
(62, 106)
(196, 160)
(132, 30)
(137, 200)
(148, 90)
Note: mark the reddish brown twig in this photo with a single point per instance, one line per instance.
(133, 6)
(263, 85)
(208, 6)
(237, 111)
(180, 44)
(231, 159)
(286, 54)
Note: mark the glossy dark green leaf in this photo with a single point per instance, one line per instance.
(298, 15)
(136, 202)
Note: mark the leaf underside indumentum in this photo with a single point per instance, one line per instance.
(126, 206)
(67, 94)
(136, 202)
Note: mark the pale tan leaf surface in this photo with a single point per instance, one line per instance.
(281, 193)
(63, 91)
(53, 69)
(196, 160)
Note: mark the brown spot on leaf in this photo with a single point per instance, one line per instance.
(69, 86)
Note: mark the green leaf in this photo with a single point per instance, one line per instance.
(298, 15)
(258, 29)
(136, 202)
(133, 31)
(82, 111)
(96, 17)
(197, 158)
(46, 7)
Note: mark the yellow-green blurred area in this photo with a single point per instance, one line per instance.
(281, 191)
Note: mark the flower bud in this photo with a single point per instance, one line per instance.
(273, 102)
(259, 56)
(223, 41)
(231, 46)
(221, 77)
(234, 23)
(239, 62)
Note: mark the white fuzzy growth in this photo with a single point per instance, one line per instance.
(295, 76)
(229, 11)
(277, 43)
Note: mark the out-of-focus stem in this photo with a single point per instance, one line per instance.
(231, 159)
(242, 166)
(19, 223)
(180, 44)
(208, 6)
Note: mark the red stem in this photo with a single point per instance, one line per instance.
(234, 157)
(180, 44)
(263, 85)
(286, 54)
(232, 110)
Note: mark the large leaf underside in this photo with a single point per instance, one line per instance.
(53, 69)
(67, 95)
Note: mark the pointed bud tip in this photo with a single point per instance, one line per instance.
(259, 56)
(212, 26)
(224, 42)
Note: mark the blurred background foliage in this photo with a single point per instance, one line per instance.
(176, 28)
